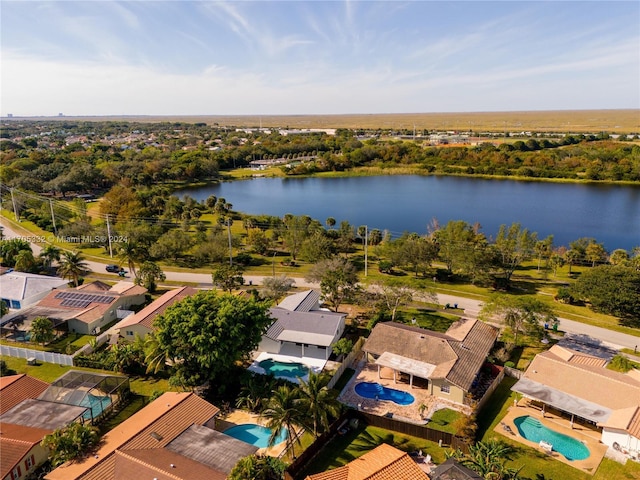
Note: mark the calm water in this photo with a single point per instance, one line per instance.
(608, 213)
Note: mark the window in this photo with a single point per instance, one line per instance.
(29, 462)
(130, 333)
(15, 304)
(445, 389)
(15, 475)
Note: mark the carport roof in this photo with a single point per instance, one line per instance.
(562, 401)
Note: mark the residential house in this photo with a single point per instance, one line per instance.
(301, 328)
(20, 449)
(85, 309)
(20, 290)
(447, 364)
(14, 389)
(384, 462)
(580, 387)
(171, 438)
(141, 323)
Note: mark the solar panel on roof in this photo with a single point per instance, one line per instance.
(69, 302)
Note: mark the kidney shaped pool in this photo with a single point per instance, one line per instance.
(379, 392)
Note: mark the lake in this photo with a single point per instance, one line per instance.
(608, 213)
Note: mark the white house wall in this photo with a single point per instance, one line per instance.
(622, 438)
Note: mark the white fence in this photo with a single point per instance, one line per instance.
(346, 363)
(39, 355)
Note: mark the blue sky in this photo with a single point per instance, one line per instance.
(316, 57)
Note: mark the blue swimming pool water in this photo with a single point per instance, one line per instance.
(375, 390)
(284, 369)
(97, 404)
(256, 435)
(533, 430)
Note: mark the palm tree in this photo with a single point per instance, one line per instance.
(50, 253)
(319, 402)
(487, 459)
(25, 262)
(155, 357)
(72, 265)
(284, 410)
(130, 253)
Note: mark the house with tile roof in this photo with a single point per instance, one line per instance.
(20, 450)
(301, 328)
(580, 387)
(85, 309)
(171, 438)
(14, 389)
(20, 290)
(384, 462)
(446, 364)
(141, 323)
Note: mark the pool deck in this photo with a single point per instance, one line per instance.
(314, 364)
(239, 417)
(586, 435)
(367, 372)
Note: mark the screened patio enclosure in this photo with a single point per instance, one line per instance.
(97, 392)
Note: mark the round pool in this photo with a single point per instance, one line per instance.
(255, 434)
(534, 431)
(379, 392)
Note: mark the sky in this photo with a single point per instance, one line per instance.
(176, 57)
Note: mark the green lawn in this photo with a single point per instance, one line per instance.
(345, 448)
(444, 420)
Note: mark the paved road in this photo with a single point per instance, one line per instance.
(470, 306)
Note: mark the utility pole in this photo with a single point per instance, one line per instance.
(53, 217)
(15, 210)
(228, 220)
(366, 245)
(109, 237)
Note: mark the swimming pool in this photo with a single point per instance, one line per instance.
(284, 369)
(254, 434)
(97, 404)
(531, 429)
(377, 391)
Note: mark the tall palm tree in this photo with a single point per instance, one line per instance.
(284, 410)
(25, 261)
(319, 402)
(155, 357)
(72, 265)
(50, 253)
(130, 253)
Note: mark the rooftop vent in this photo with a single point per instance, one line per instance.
(156, 435)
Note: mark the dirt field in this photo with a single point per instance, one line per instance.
(592, 121)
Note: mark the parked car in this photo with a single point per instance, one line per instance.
(113, 268)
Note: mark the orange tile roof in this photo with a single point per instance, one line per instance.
(147, 463)
(16, 388)
(15, 442)
(94, 310)
(382, 463)
(148, 314)
(153, 427)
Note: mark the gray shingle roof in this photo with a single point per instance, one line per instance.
(214, 449)
(317, 327)
(301, 302)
